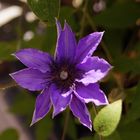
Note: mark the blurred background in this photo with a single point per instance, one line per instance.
(20, 28)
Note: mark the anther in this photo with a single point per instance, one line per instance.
(63, 75)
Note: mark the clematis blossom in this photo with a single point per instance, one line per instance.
(67, 79)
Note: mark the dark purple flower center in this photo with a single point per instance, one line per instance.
(63, 74)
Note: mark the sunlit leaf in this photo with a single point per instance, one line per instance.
(108, 118)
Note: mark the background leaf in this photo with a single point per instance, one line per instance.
(119, 15)
(130, 131)
(134, 111)
(46, 10)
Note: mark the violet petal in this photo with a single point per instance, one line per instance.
(31, 79)
(94, 69)
(59, 28)
(59, 100)
(80, 111)
(66, 44)
(42, 107)
(34, 58)
(87, 45)
(91, 93)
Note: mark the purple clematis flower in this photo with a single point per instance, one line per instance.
(67, 79)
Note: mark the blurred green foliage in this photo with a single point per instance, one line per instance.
(9, 134)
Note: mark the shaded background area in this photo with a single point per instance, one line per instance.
(20, 28)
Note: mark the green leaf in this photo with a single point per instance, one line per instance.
(46, 10)
(9, 134)
(108, 118)
(113, 40)
(120, 15)
(125, 64)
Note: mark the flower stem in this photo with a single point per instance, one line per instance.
(83, 19)
(100, 137)
(65, 125)
(8, 85)
(95, 111)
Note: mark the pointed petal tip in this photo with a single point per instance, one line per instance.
(56, 112)
(53, 115)
(34, 121)
(17, 53)
(111, 67)
(13, 54)
(67, 26)
(65, 21)
(102, 103)
(12, 75)
(58, 26)
(106, 101)
(90, 127)
(56, 19)
(101, 33)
